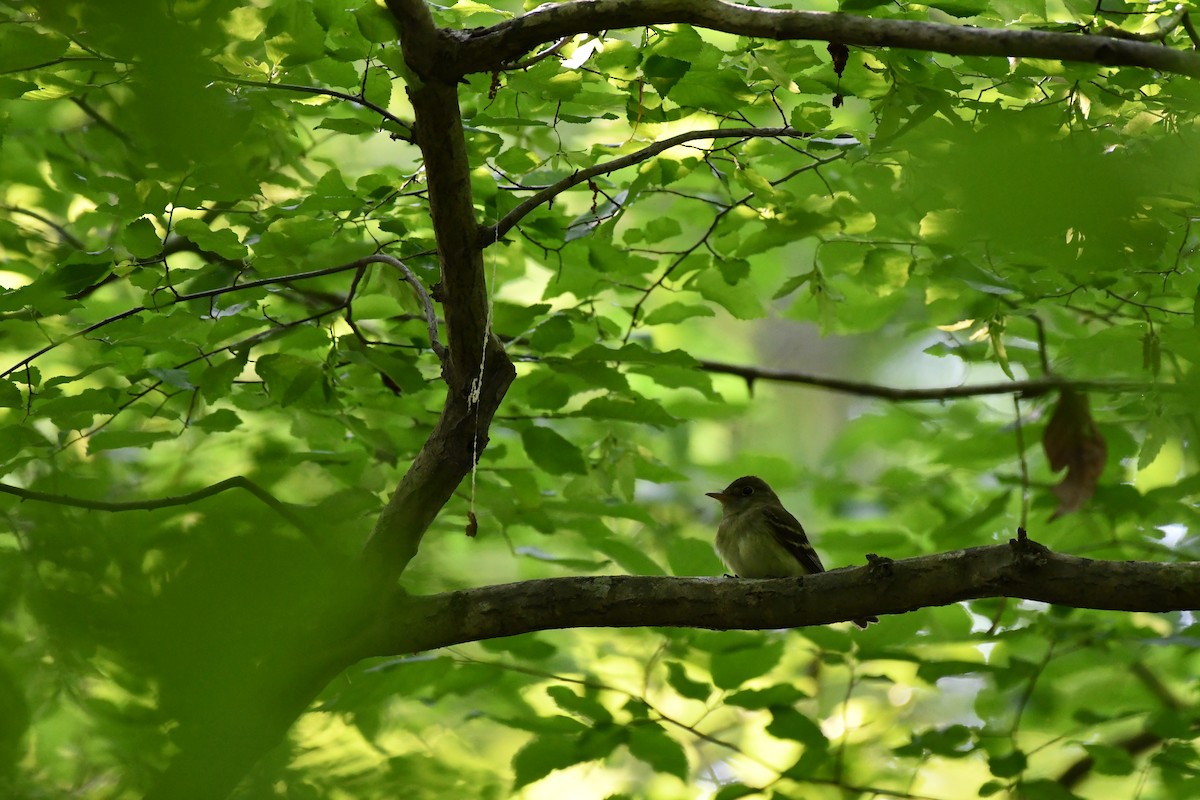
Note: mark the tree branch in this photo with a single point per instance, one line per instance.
(236, 482)
(1020, 570)
(492, 234)
(362, 101)
(488, 49)
(406, 274)
(1029, 388)
(477, 370)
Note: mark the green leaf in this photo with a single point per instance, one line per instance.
(673, 313)
(731, 668)
(650, 743)
(628, 410)
(217, 379)
(740, 300)
(224, 242)
(141, 239)
(781, 694)
(630, 558)
(22, 47)
(663, 72)
(1043, 789)
(587, 707)
(114, 440)
(222, 420)
(552, 334)
(678, 678)
(1008, 765)
(10, 395)
(376, 23)
(552, 452)
(1109, 760)
(543, 755)
(288, 377)
(788, 723)
(11, 88)
(689, 556)
(351, 125)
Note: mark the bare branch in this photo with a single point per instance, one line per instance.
(1029, 388)
(407, 274)
(1020, 570)
(488, 49)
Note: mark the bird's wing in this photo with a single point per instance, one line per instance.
(788, 532)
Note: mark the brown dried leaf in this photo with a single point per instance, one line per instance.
(840, 54)
(1072, 441)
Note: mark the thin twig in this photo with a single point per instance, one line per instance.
(1165, 26)
(430, 317)
(1028, 388)
(489, 235)
(1024, 465)
(536, 57)
(236, 482)
(362, 101)
(63, 233)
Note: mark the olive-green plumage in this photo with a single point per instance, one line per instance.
(758, 538)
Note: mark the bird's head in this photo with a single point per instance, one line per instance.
(746, 492)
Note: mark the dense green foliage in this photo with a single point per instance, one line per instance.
(169, 183)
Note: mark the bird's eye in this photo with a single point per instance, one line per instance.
(747, 491)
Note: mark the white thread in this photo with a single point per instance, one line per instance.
(477, 383)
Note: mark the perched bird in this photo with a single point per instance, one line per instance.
(758, 538)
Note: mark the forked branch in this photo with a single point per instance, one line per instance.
(491, 48)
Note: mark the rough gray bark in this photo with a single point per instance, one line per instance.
(1023, 570)
(487, 49)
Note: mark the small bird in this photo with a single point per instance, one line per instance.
(758, 538)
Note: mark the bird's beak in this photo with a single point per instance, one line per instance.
(721, 496)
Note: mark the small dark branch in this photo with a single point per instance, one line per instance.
(103, 122)
(488, 49)
(549, 51)
(1165, 26)
(1029, 388)
(1134, 745)
(839, 596)
(1156, 686)
(1191, 31)
(491, 235)
(356, 99)
(64, 234)
(1020, 433)
(56, 61)
(237, 482)
(208, 293)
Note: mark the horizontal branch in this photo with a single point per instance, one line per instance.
(1029, 388)
(176, 298)
(1018, 569)
(236, 482)
(492, 48)
(318, 90)
(492, 234)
